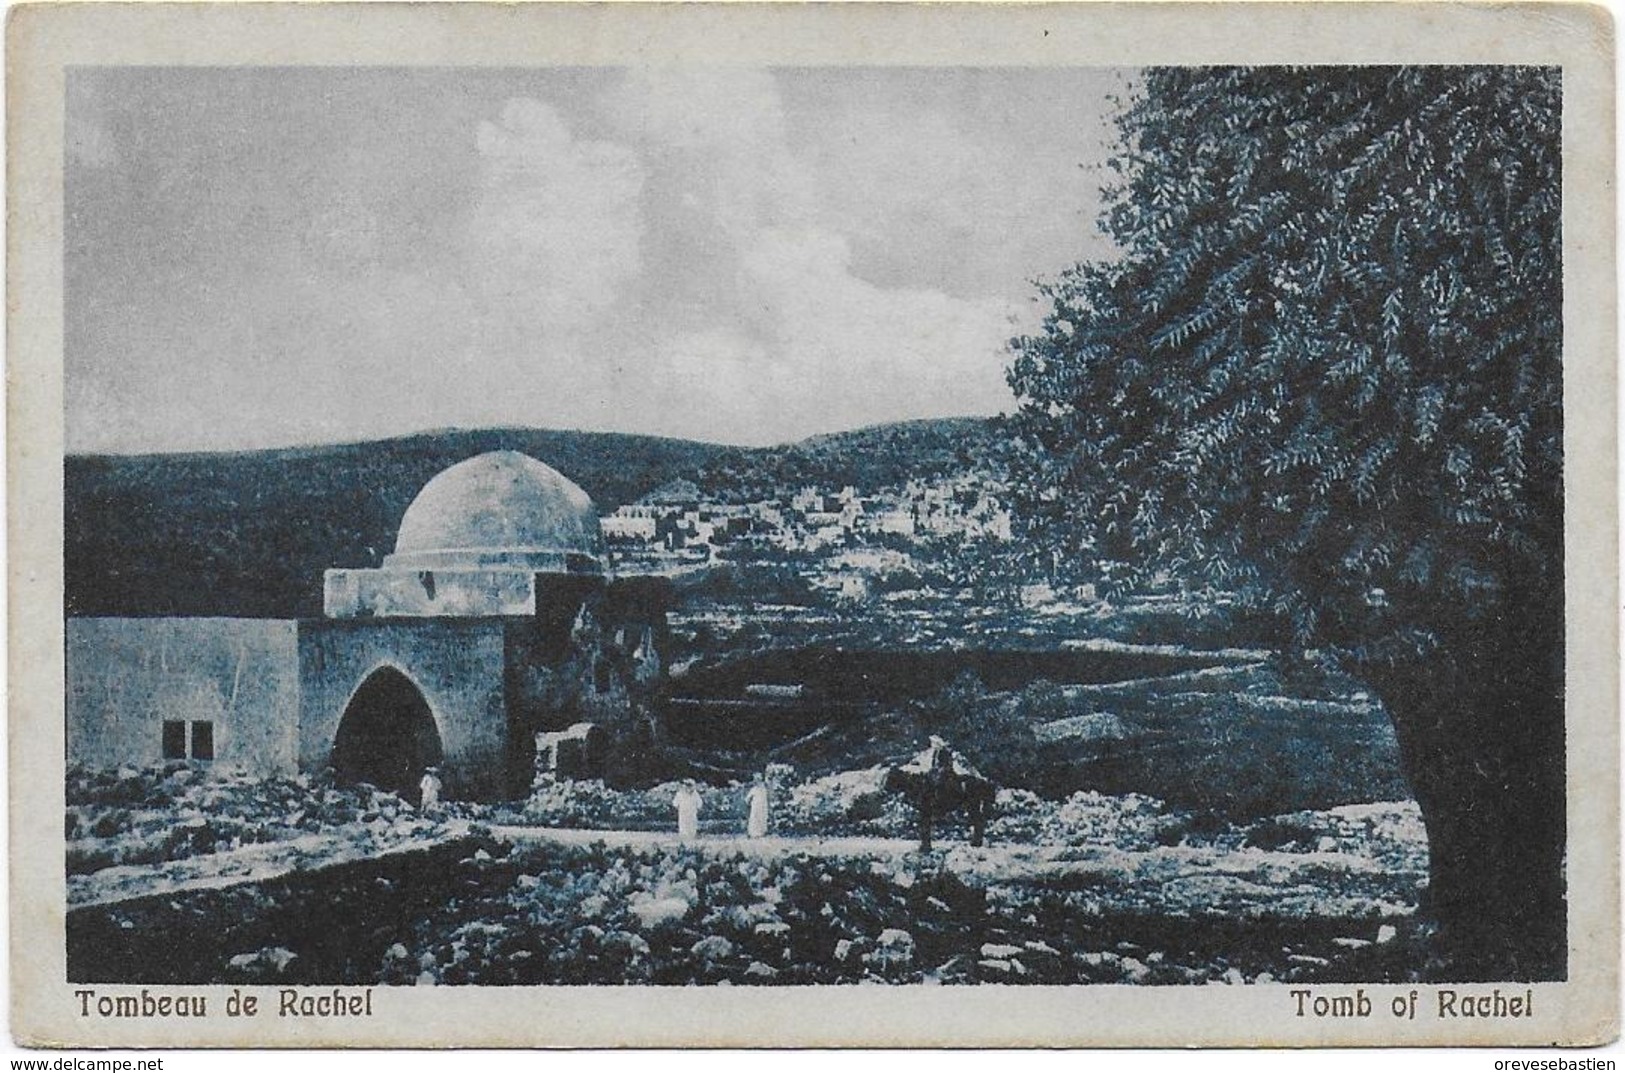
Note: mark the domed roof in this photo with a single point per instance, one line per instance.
(502, 507)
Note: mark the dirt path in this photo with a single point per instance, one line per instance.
(721, 845)
(270, 860)
(1007, 860)
(1184, 878)
(246, 864)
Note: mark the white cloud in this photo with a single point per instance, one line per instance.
(926, 172)
(555, 232)
(724, 128)
(915, 195)
(853, 353)
(797, 342)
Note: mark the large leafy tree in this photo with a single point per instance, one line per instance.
(1324, 374)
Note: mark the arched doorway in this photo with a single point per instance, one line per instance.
(387, 736)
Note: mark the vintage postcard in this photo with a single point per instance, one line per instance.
(776, 525)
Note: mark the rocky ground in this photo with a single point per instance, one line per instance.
(491, 910)
(132, 832)
(550, 914)
(309, 884)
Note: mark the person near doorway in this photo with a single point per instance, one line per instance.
(429, 790)
(687, 801)
(756, 804)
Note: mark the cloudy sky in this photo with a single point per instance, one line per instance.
(270, 257)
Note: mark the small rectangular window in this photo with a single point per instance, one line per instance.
(202, 739)
(174, 739)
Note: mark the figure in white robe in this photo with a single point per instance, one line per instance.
(687, 801)
(428, 791)
(756, 800)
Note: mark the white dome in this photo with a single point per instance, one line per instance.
(500, 508)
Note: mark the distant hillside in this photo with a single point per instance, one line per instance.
(868, 458)
(249, 533)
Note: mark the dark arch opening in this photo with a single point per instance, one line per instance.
(387, 735)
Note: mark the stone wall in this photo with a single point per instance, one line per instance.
(458, 665)
(269, 695)
(392, 592)
(126, 677)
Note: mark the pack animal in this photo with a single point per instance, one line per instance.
(939, 782)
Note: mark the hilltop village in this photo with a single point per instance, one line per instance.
(678, 526)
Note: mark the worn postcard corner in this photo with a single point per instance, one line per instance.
(614, 525)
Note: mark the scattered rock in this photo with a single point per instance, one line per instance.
(712, 948)
(627, 942)
(896, 945)
(1387, 933)
(653, 912)
(760, 971)
(272, 958)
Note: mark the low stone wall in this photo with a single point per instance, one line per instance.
(127, 677)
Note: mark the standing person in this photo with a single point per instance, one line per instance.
(939, 782)
(687, 801)
(756, 800)
(429, 789)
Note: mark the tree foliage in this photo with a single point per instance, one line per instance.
(1324, 374)
(1325, 371)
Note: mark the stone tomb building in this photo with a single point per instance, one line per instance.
(493, 621)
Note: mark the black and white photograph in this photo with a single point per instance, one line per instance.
(766, 525)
